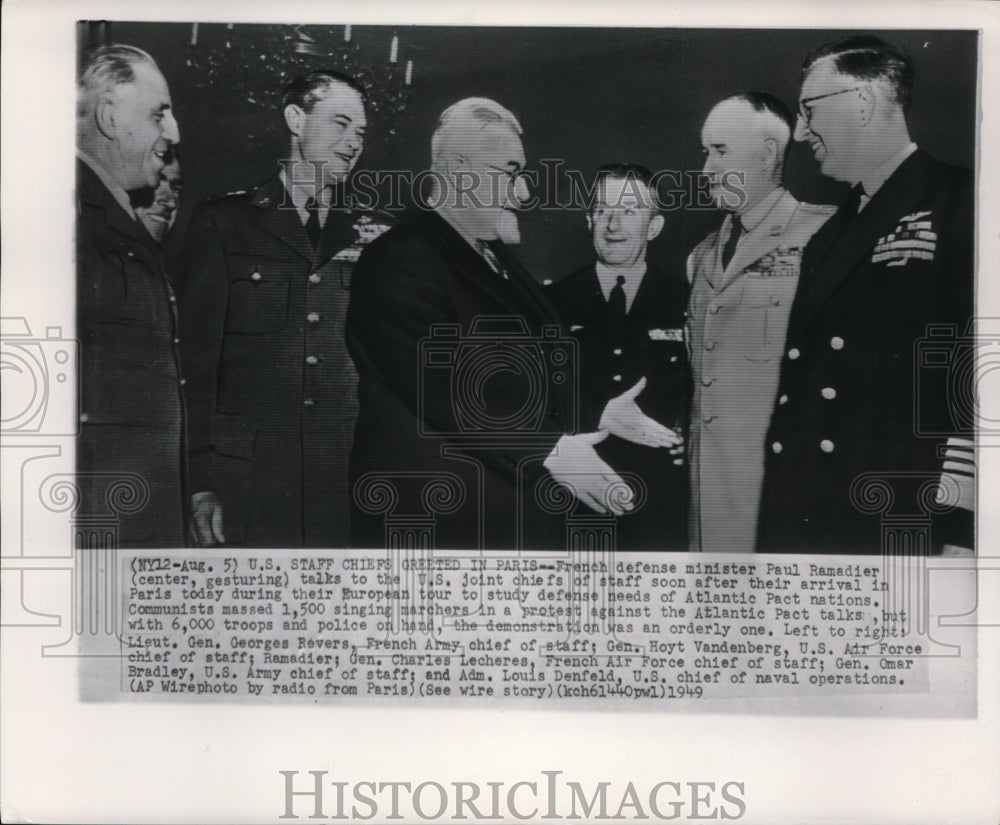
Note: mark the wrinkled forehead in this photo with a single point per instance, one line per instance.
(623, 193)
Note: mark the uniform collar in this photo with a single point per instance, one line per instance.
(119, 194)
(760, 210)
(300, 195)
(876, 177)
(607, 276)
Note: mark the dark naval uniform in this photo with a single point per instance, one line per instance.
(612, 358)
(271, 388)
(129, 451)
(863, 415)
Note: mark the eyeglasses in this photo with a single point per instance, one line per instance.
(806, 113)
(507, 172)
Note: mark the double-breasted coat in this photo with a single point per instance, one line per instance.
(612, 358)
(865, 402)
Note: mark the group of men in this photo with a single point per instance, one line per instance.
(438, 395)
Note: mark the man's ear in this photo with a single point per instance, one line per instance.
(104, 117)
(590, 223)
(867, 96)
(654, 228)
(293, 118)
(770, 153)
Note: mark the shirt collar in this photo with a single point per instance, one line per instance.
(119, 194)
(608, 277)
(300, 195)
(760, 210)
(876, 177)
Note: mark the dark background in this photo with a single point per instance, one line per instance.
(587, 96)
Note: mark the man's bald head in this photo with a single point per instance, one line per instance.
(745, 140)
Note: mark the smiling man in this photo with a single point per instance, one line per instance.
(131, 411)
(628, 320)
(157, 208)
(264, 295)
(864, 428)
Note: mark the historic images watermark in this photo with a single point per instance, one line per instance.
(552, 186)
(547, 798)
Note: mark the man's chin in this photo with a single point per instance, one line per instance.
(508, 230)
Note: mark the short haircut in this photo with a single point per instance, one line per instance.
(307, 90)
(870, 58)
(104, 67)
(623, 171)
(476, 113)
(764, 103)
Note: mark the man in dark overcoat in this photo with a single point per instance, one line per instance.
(467, 428)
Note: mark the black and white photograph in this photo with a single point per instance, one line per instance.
(483, 416)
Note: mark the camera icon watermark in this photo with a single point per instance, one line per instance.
(955, 372)
(496, 382)
(39, 378)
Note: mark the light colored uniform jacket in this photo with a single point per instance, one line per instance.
(738, 316)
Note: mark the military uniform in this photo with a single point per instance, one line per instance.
(612, 358)
(271, 387)
(737, 320)
(129, 451)
(855, 403)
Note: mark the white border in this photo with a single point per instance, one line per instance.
(65, 761)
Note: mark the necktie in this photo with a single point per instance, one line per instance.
(734, 238)
(491, 258)
(616, 301)
(853, 203)
(312, 222)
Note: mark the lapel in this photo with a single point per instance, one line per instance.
(838, 253)
(279, 217)
(519, 293)
(337, 234)
(647, 296)
(94, 197)
(763, 238)
(711, 259)
(587, 295)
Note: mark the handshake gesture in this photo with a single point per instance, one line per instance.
(575, 463)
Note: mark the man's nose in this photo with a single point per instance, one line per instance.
(166, 197)
(802, 129)
(171, 131)
(520, 190)
(614, 221)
